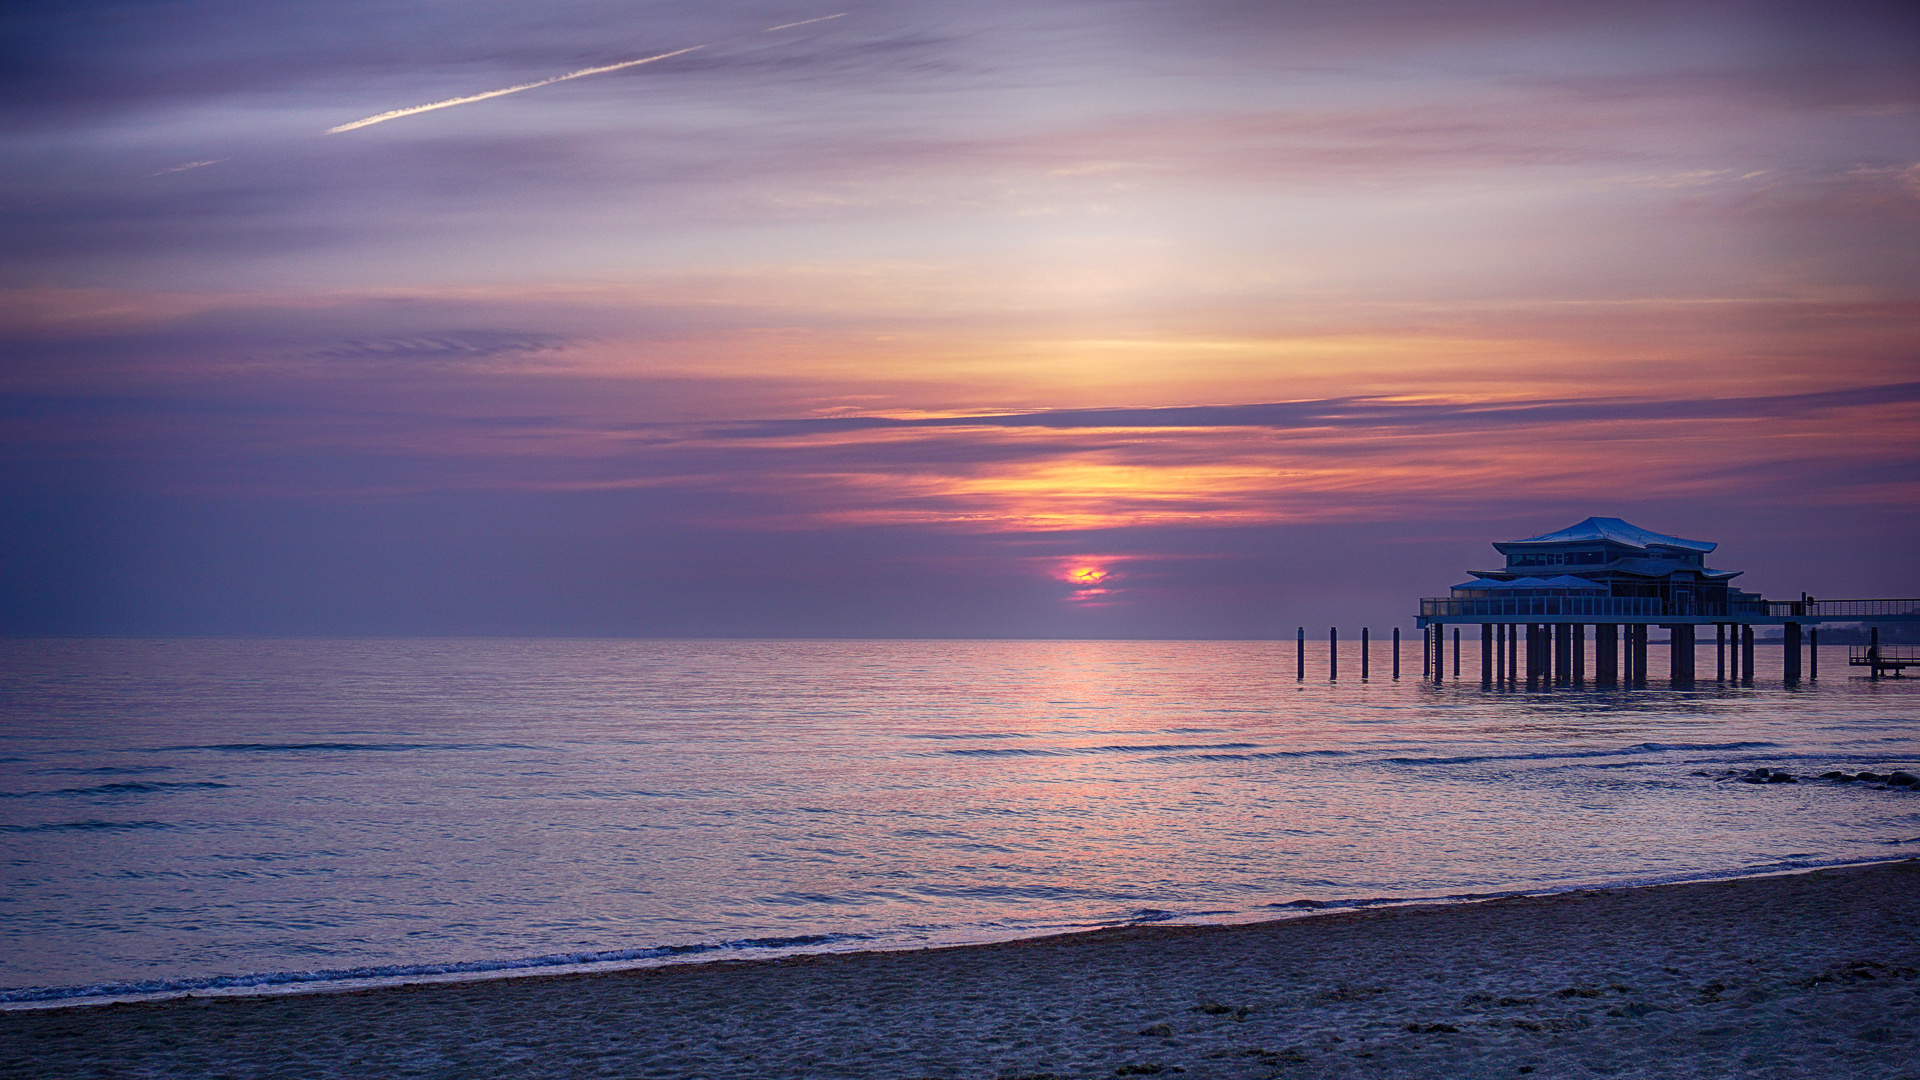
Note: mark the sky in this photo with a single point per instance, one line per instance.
(874, 318)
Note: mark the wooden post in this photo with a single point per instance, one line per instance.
(1680, 660)
(1533, 654)
(1333, 654)
(1513, 653)
(1790, 655)
(1720, 652)
(1563, 654)
(1813, 653)
(1300, 655)
(1486, 655)
(1606, 654)
(1364, 644)
(1746, 655)
(1396, 652)
(1456, 654)
(1639, 654)
(1579, 654)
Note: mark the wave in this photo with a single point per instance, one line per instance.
(84, 826)
(402, 971)
(324, 747)
(1113, 748)
(1555, 755)
(1264, 755)
(125, 787)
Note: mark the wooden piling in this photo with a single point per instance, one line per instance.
(1680, 654)
(1606, 654)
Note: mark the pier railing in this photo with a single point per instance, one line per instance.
(1453, 607)
(1440, 607)
(1865, 610)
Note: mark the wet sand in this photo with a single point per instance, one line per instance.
(1814, 974)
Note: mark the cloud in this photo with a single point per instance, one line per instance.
(1366, 413)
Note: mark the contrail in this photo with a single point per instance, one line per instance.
(188, 165)
(450, 102)
(802, 22)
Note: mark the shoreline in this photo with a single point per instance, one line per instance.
(284, 984)
(1784, 974)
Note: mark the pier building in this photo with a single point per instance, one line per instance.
(1618, 579)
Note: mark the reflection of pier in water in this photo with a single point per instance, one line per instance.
(1618, 579)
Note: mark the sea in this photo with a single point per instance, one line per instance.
(208, 816)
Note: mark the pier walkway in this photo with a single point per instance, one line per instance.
(1546, 635)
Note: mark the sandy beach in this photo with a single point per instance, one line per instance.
(1813, 974)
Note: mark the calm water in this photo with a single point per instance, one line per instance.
(192, 814)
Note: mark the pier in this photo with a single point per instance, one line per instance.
(1610, 580)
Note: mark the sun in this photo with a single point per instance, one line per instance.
(1086, 575)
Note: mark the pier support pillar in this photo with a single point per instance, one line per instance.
(1333, 654)
(1639, 673)
(1606, 654)
(1563, 654)
(1813, 653)
(1364, 660)
(1746, 656)
(1300, 655)
(1579, 654)
(1720, 652)
(1437, 652)
(1536, 654)
(1790, 655)
(1680, 664)
(1456, 654)
(1396, 653)
(1486, 655)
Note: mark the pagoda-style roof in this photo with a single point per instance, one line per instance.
(1655, 568)
(1618, 531)
(1563, 581)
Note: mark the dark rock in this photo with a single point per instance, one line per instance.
(1578, 991)
(1213, 1008)
(1158, 1031)
(1779, 777)
(1511, 1001)
(1904, 779)
(1139, 1070)
(1634, 1010)
(1870, 777)
(1434, 1029)
(1837, 775)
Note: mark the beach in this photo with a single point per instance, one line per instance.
(1809, 974)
